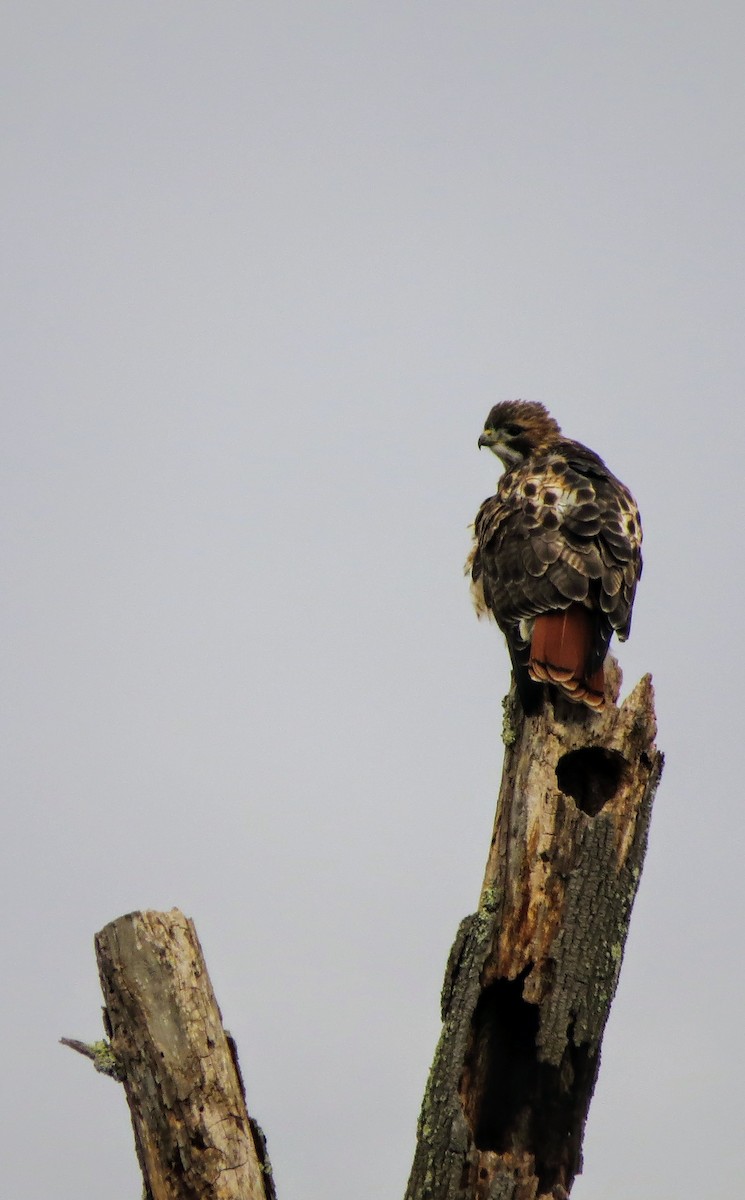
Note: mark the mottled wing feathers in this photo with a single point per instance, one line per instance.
(560, 531)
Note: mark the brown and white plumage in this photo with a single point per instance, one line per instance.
(556, 555)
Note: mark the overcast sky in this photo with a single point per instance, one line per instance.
(267, 267)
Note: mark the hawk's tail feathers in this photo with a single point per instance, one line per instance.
(559, 651)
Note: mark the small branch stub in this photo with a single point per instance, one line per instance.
(194, 1137)
(532, 974)
(100, 1054)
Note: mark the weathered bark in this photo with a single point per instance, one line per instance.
(194, 1137)
(532, 974)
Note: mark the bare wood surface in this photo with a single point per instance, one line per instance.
(194, 1137)
(532, 974)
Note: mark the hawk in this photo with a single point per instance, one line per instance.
(556, 555)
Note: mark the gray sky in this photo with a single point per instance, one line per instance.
(267, 267)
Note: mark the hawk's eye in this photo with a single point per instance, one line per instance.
(513, 430)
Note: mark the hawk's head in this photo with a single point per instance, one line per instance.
(517, 429)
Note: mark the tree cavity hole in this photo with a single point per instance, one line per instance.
(591, 776)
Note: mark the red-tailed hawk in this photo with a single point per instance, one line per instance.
(556, 555)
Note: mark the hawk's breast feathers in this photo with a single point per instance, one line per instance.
(561, 536)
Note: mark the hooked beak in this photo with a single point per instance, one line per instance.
(486, 439)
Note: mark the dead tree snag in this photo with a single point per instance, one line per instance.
(532, 974)
(194, 1137)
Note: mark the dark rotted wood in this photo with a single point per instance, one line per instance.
(194, 1137)
(532, 974)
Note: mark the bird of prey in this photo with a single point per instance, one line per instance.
(556, 555)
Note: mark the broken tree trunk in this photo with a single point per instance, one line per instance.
(194, 1137)
(532, 974)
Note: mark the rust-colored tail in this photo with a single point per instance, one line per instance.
(559, 651)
